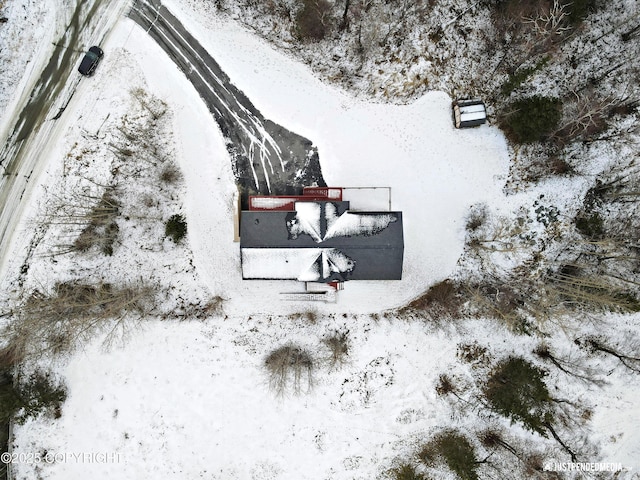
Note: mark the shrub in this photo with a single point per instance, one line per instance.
(579, 9)
(476, 218)
(516, 390)
(289, 366)
(10, 401)
(152, 104)
(591, 226)
(490, 439)
(215, 306)
(338, 345)
(309, 315)
(558, 166)
(532, 119)
(9, 357)
(472, 353)
(442, 293)
(176, 228)
(170, 174)
(313, 19)
(534, 464)
(504, 302)
(199, 310)
(516, 79)
(110, 235)
(445, 385)
(406, 471)
(455, 450)
(441, 299)
(102, 229)
(38, 395)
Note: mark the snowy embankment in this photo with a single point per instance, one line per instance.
(190, 399)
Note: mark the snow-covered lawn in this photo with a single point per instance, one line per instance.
(191, 399)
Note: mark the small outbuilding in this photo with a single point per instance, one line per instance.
(469, 113)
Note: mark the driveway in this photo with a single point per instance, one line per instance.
(266, 157)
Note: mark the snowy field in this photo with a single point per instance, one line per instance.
(191, 399)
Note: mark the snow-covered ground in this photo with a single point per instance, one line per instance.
(191, 399)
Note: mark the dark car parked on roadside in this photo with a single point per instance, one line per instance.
(90, 61)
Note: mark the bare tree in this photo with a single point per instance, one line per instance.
(314, 19)
(338, 346)
(543, 351)
(584, 117)
(290, 367)
(550, 22)
(73, 311)
(595, 344)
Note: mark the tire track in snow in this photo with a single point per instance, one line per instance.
(266, 158)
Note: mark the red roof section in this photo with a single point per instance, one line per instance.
(287, 202)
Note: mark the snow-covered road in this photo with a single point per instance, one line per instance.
(35, 126)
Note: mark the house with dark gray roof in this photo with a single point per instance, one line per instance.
(321, 241)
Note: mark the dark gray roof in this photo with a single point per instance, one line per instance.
(373, 241)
